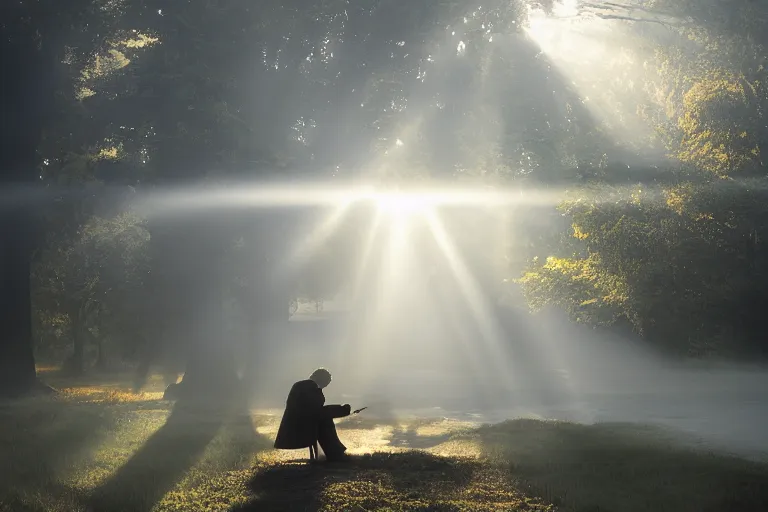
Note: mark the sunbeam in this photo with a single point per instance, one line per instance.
(364, 261)
(478, 305)
(306, 248)
(603, 59)
(377, 333)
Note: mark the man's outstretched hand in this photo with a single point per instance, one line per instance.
(347, 409)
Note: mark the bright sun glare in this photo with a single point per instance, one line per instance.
(410, 234)
(402, 204)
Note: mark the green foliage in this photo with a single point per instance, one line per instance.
(677, 266)
(581, 286)
(93, 284)
(679, 258)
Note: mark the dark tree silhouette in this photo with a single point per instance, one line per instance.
(26, 93)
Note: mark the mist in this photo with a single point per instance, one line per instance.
(413, 332)
(547, 368)
(414, 327)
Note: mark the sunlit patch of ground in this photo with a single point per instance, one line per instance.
(106, 388)
(96, 447)
(365, 435)
(94, 394)
(47, 369)
(268, 425)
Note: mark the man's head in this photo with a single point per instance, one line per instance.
(321, 377)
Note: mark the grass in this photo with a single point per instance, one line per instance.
(98, 447)
(414, 480)
(623, 467)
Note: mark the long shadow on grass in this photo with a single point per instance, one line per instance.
(367, 482)
(39, 442)
(632, 468)
(167, 456)
(161, 462)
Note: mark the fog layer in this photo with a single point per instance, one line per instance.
(542, 366)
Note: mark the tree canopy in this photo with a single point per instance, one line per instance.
(643, 120)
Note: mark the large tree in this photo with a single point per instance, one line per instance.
(26, 93)
(35, 40)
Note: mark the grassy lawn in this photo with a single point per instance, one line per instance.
(99, 448)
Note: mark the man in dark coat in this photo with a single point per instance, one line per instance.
(307, 421)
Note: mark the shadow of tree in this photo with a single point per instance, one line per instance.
(160, 463)
(40, 442)
(239, 441)
(385, 481)
(624, 467)
(52, 496)
(167, 456)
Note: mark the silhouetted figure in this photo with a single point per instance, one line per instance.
(307, 421)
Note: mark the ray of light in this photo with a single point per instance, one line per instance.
(305, 249)
(365, 258)
(395, 263)
(359, 284)
(474, 299)
(461, 332)
(544, 343)
(601, 58)
(373, 340)
(417, 114)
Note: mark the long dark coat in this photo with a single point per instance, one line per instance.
(303, 411)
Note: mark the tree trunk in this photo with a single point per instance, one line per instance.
(188, 287)
(101, 354)
(17, 362)
(78, 345)
(75, 363)
(26, 94)
(211, 372)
